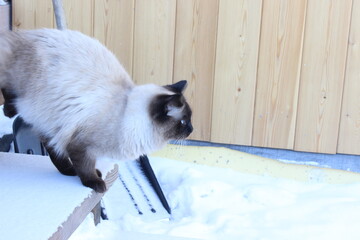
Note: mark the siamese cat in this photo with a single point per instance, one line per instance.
(83, 104)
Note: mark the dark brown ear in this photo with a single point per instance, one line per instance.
(178, 87)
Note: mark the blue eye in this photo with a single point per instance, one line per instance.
(183, 122)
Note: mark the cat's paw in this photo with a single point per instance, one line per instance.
(97, 184)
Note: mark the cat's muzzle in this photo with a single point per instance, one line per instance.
(189, 129)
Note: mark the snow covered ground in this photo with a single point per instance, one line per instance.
(216, 203)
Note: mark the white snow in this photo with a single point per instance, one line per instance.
(2, 2)
(309, 163)
(44, 197)
(5, 123)
(215, 203)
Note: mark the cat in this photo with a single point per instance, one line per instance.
(83, 104)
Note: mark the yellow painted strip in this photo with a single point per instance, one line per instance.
(252, 164)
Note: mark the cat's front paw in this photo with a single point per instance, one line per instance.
(97, 184)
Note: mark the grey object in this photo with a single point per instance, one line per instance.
(59, 15)
(5, 14)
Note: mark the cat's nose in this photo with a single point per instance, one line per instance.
(190, 127)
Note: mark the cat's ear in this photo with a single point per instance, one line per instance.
(173, 111)
(173, 105)
(178, 87)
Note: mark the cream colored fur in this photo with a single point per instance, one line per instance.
(62, 91)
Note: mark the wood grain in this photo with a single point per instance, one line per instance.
(322, 75)
(79, 15)
(283, 90)
(32, 14)
(154, 36)
(114, 27)
(349, 134)
(235, 71)
(282, 32)
(196, 25)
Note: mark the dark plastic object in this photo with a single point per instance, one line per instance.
(5, 142)
(25, 141)
(150, 175)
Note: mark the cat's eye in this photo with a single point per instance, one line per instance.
(183, 122)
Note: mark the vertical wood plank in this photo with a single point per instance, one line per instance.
(154, 36)
(349, 134)
(235, 71)
(32, 14)
(282, 32)
(79, 15)
(196, 25)
(113, 26)
(322, 75)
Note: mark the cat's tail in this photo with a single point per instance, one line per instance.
(6, 52)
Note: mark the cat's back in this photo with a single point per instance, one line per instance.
(68, 64)
(77, 55)
(71, 77)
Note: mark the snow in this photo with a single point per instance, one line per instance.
(3, 2)
(45, 197)
(309, 163)
(215, 203)
(5, 123)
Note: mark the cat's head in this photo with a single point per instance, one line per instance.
(171, 113)
(154, 115)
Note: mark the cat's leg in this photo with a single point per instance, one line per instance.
(9, 103)
(84, 165)
(63, 164)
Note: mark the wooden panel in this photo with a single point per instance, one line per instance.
(322, 75)
(113, 26)
(243, 89)
(79, 15)
(196, 25)
(235, 71)
(154, 41)
(279, 65)
(349, 135)
(32, 14)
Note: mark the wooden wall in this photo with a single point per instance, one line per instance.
(270, 73)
